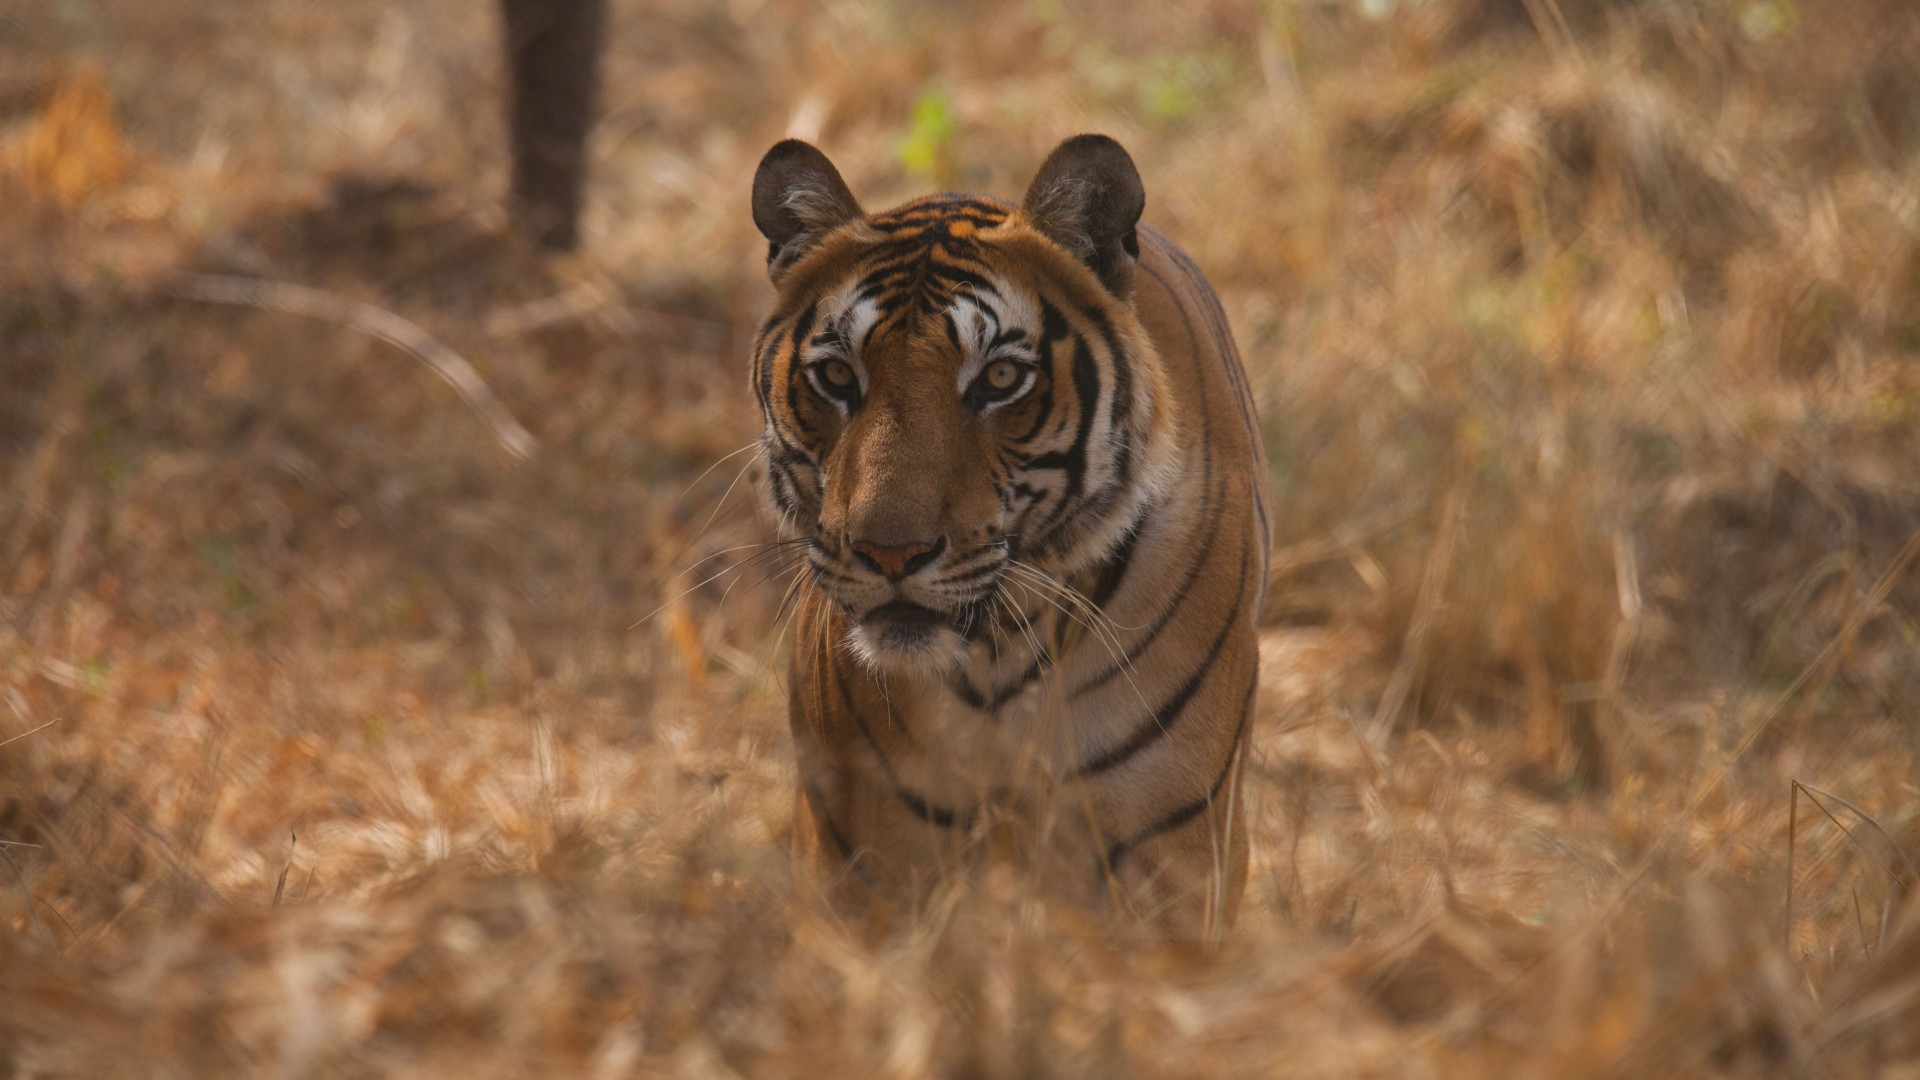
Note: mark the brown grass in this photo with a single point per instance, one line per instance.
(1588, 340)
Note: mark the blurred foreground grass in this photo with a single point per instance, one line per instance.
(1588, 340)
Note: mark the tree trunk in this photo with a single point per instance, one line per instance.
(553, 57)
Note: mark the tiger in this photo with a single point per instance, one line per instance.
(1021, 454)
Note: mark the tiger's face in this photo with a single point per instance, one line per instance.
(949, 397)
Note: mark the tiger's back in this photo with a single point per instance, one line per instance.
(1023, 452)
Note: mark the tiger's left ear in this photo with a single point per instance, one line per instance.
(1088, 199)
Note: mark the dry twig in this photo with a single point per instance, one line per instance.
(377, 322)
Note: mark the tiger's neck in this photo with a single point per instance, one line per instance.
(1057, 667)
(1046, 634)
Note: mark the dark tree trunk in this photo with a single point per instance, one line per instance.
(553, 58)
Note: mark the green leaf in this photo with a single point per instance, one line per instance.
(929, 138)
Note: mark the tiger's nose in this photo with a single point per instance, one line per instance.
(898, 560)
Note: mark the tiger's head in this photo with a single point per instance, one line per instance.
(953, 388)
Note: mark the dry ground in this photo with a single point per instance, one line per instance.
(1588, 341)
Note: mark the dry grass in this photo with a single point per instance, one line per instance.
(1588, 340)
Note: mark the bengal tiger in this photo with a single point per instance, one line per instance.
(1021, 455)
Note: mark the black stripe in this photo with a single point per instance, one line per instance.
(1203, 297)
(768, 354)
(932, 208)
(1166, 617)
(1122, 367)
(802, 330)
(922, 809)
(1095, 506)
(971, 698)
(1041, 662)
(955, 579)
(847, 854)
(1170, 711)
(953, 278)
(783, 488)
(1184, 814)
(1114, 570)
(1052, 460)
(819, 803)
(1086, 385)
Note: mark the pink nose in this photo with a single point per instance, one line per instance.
(894, 561)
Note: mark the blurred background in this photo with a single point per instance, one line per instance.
(353, 726)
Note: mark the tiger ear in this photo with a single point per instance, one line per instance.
(798, 197)
(1087, 198)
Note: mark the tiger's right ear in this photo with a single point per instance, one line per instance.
(798, 197)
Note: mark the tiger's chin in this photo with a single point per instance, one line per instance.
(906, 639)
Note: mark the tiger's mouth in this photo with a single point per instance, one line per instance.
(913, 639)
(905, 626)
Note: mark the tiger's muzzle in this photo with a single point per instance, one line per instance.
(914, 613)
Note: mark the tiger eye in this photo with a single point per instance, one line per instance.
(1004, 375)
(837, 373)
